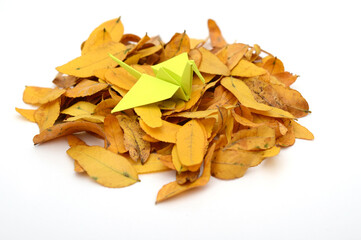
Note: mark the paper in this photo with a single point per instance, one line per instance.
(173, 79)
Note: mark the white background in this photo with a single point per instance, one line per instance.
(309, 191)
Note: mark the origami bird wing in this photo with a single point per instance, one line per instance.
(146, 90)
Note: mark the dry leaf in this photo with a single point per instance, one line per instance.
(40, 95)
(85, 65)
(85, 88)
(172, 189)
(133, 139)
(105, 167)
(190, 143)
(114, 134)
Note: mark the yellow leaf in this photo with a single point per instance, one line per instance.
(105, 107)
(86, 117)
(235, 52)
(196, 114)
(231, 164)
(247, 69)
(105, 167)
(27, 113)
(175, 159)
(85, 65)
(150, 114)
(100, 38)
(190, 143)
(85, 88)
(179, 43)
(166, 133)
(114, 134)
(64, 129)
(73, 141)
(173, 188)
(154, 164)
(120, 77)
(40, 95)
(80, 108)
(244, 121)
(273, 65)
(114, 28)
(215, 35)
(289, 138)
(301, 132)
(262, 137)
(211, 64)
(273, 151)
(46, 115)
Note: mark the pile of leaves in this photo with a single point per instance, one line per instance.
(245, 111)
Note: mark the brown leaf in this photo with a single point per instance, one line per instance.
(133, 139)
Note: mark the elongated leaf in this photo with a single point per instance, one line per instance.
(166, 133)
(105, 167)
(40, 95)
(191, 143)
(85, 88)
(114, 134)
(46, 115)
(85, 65)
(64, 129)
(150, 114)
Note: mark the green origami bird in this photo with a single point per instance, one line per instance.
(173, 79)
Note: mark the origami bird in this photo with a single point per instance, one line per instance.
(173, 79)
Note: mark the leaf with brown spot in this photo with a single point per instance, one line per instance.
(64, 81)
(133, 139)
(295, 103)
